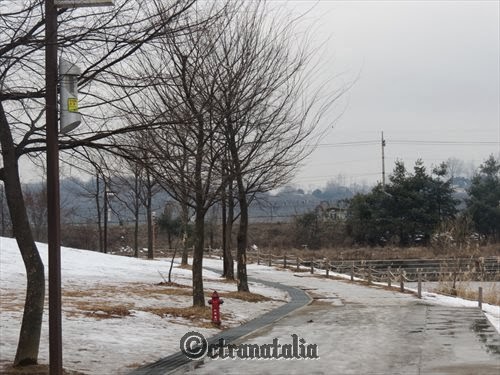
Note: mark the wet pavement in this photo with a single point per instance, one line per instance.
(361, 330)
(356, 330)
(178, 362)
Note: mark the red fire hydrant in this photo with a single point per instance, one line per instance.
(215, 301)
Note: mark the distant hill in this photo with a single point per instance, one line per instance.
(78, 202)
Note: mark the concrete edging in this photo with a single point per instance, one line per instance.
(179, 362)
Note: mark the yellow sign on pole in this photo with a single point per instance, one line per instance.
(72, 105)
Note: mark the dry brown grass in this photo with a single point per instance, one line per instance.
(101, 310)
(199, 316)
(464, 290)
(227, 281)
(191, 312)
(78, 293)
(98, 302)
(11, 301)
(8, 369)
(245, 296)
(156, 292)
(139, 290)
(388, 252)
(172, 284)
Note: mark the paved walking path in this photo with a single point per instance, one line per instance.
(298, 298)
(358, 330)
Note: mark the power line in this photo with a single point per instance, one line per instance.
(409, 142)
(440, 143)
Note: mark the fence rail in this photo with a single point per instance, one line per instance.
(390, 271)
(472, 269)
(394, 272)
(380, 270)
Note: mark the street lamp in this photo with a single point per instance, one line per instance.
(107, 195)
(68, 107)
(53, 191)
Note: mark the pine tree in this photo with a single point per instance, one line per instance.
(483, 204)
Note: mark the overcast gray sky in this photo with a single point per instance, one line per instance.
(429, 77)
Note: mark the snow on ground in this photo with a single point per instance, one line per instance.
(97, 290)
(93, 281)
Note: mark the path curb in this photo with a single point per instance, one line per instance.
(179, 362)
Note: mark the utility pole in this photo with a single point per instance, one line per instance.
(105, 241)
(53, 186)
(53, 197)
(383, 162)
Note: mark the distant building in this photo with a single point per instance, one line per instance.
(328, 211)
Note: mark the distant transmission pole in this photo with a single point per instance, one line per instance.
(383, 162)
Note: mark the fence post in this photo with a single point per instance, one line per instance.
(284, 261)
(270, 259)
(401, 281)
(369, 275)
(258, 259)
(327, 267)
(298, 263)
(419, 285)
(352, 271)
(389, 276)
(480, 297)
(312, 265)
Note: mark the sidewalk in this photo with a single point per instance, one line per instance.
(178, 361)
(358, 330)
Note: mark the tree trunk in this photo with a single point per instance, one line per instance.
(228, 234)
(98, 210)
(136, 234)
(169, 238)
(106, 218)
(149, 210)
(29, 337)
(242, 238)
(224, 222)
(136, 215)
(242, 241)
(185, 218)
(227, 227)
(150, 227)
(198, 295)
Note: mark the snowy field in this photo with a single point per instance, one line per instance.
(97, 289)
(95, 286)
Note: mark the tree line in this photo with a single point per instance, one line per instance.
(415, 207)
(212, 102)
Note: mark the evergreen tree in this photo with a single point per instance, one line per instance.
(406, 211)
(483, 204)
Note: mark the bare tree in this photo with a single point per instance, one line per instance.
(267, 106)
(151, 189)
(227, 206)
(455, 168)
(98, 188)
(36, 205)
(241, 88)
(102, 41)
(185, 146)
(131, 179)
